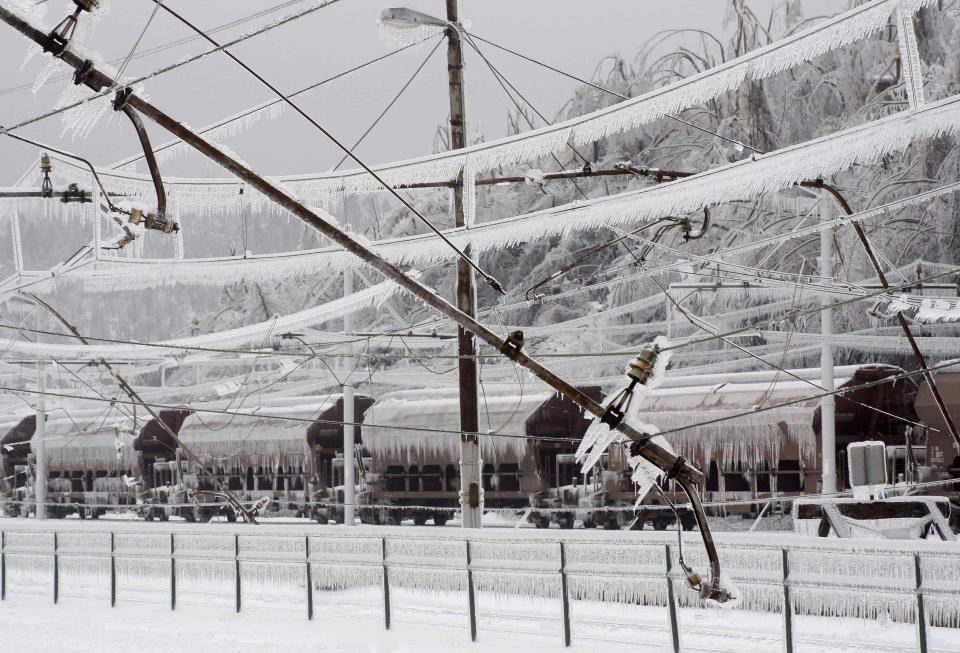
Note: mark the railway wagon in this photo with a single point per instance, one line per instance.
(758, 434)
(89, 460)
(527, 451)
(16, 473)
(278, 451)
(942, 454)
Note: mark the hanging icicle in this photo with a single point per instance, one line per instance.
(909, 55)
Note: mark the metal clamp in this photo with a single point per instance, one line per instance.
(612, 416)
(80, 74)
(121, 98)
(678, 464)
(512, 345)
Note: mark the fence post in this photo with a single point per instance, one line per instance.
(787, 604)
(672, 605)
(386, 583)
(236, 562)
(921, 610)
(309, 579)
(56, 571)
(3, 566)
(113, 571)
(564, 595)
(470, 596)
(173, 574)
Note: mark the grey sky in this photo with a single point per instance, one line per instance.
(570, 34)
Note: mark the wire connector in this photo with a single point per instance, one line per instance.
(121, 98)
(512, 345)
(153, 221)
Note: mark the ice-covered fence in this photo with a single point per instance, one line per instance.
(566, 583)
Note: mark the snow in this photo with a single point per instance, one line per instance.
(616, 584)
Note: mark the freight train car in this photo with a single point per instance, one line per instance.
(527, 454)
(278, 452)
(88, 458)
(941, 454)
(757, 434)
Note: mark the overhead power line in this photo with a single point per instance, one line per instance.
(489, 278)
(174, 66)
(390, 104)
(612, 92)
(166, 46)
(679, 429)
(266, 105)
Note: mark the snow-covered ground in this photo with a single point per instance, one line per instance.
(31, 623)
(429, 609)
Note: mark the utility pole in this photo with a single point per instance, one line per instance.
(828, 413)
(349, 482)
(40, 444)
(471, 463)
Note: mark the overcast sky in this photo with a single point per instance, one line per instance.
(570, 34)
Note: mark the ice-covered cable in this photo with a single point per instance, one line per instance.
(835, 33)
(861, 145)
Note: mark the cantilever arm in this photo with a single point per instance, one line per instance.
(147, 153)
(901, 320)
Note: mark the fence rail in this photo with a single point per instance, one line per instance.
(905, 582)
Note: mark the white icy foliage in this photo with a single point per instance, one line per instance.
(245, 335)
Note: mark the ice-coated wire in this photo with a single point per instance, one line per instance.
(608, 91)
(489, 278)
(390, 104)
(179, 64)
(263, 106)
(867, 384)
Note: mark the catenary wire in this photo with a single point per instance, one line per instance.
(614, 93)
(489, 278)
(165, 69)
(679, 429)
(390, 104)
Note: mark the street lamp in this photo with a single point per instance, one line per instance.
(406, 18)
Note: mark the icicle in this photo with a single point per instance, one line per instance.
(469, 197)
(909, 55)
(599, 436)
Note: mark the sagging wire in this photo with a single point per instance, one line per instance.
(734, 142)
(135, 398)
(504, 82)
(160, 71)
(265, 105)
(901, 320)
(596, 250)
(698, 323)
(390, 104)
(489, 278)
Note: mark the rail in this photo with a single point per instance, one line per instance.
(563, 572)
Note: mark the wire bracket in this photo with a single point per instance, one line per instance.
(121, 98)
(80, 74)
(512, 345)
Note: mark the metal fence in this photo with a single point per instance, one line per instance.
(911, 583)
